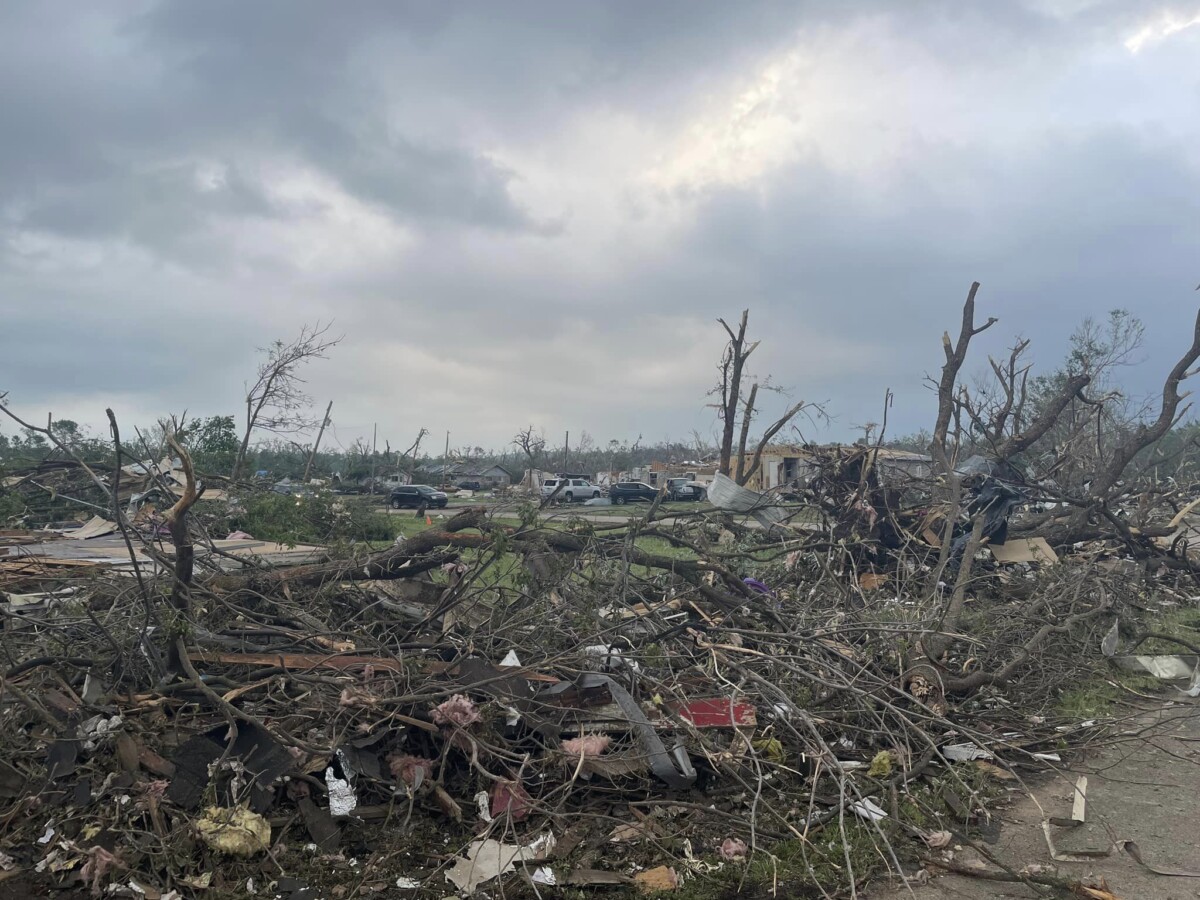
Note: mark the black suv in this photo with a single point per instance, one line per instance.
(418, 495)
(627, 491)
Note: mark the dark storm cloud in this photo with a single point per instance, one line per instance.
(537, 209)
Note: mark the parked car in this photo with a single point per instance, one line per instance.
(629, 491)
(684, 489)
(569, 489)
(470, 486)
(416, 495)
(293, 489)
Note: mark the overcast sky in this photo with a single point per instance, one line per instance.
(533, 212)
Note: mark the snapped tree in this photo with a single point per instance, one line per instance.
(737, 414)
(276, 401)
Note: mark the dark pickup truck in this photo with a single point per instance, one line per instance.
(630, 491)
(684, 489)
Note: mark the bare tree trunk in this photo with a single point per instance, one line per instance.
(956, 355)
(240, 459)
(185, 554)
(177, 521)
(252, 413)
(731, 386)
(747, 418)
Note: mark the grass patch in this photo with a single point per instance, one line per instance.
(1182, 623)
(1101, 695)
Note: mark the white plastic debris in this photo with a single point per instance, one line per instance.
(486, 859)
(511, 659)
(868, 809)
(6, 862)
(342, 800)
(1108, 646)
(48, 835)
(1165, 667)
(1193, 690)
(611, 657)
(545, 875)
(1047, 757)
(965, 752)
(484, 803)
(407, 884)
(725, 493)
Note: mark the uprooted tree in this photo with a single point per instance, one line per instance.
(736, 411)
(276, 401)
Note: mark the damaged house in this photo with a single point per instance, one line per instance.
(784, 465)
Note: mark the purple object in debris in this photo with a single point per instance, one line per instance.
(758, 587)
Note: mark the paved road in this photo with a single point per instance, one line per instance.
(613, 515)
(1145, 788)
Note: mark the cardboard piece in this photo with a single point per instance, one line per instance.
(1024, 550)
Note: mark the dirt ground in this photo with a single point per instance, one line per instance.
(1145, 789)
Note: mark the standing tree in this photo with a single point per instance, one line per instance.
(215, 443)
(276, 401)
(532, 444)
(736, 414)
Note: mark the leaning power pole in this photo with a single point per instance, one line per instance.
(312, 455)
(445, 459)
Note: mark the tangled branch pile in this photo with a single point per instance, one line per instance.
(510, 699)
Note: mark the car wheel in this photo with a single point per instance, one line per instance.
(620, 501)
(569, 497)
(395, 504)
(595, 495)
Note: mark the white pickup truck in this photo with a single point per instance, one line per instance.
(571, 489)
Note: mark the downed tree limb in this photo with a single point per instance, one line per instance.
(420, 553)
(395, 562)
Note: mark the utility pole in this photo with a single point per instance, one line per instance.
(445, 459)
(374, 436)
(567, 453)
(312, 455)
